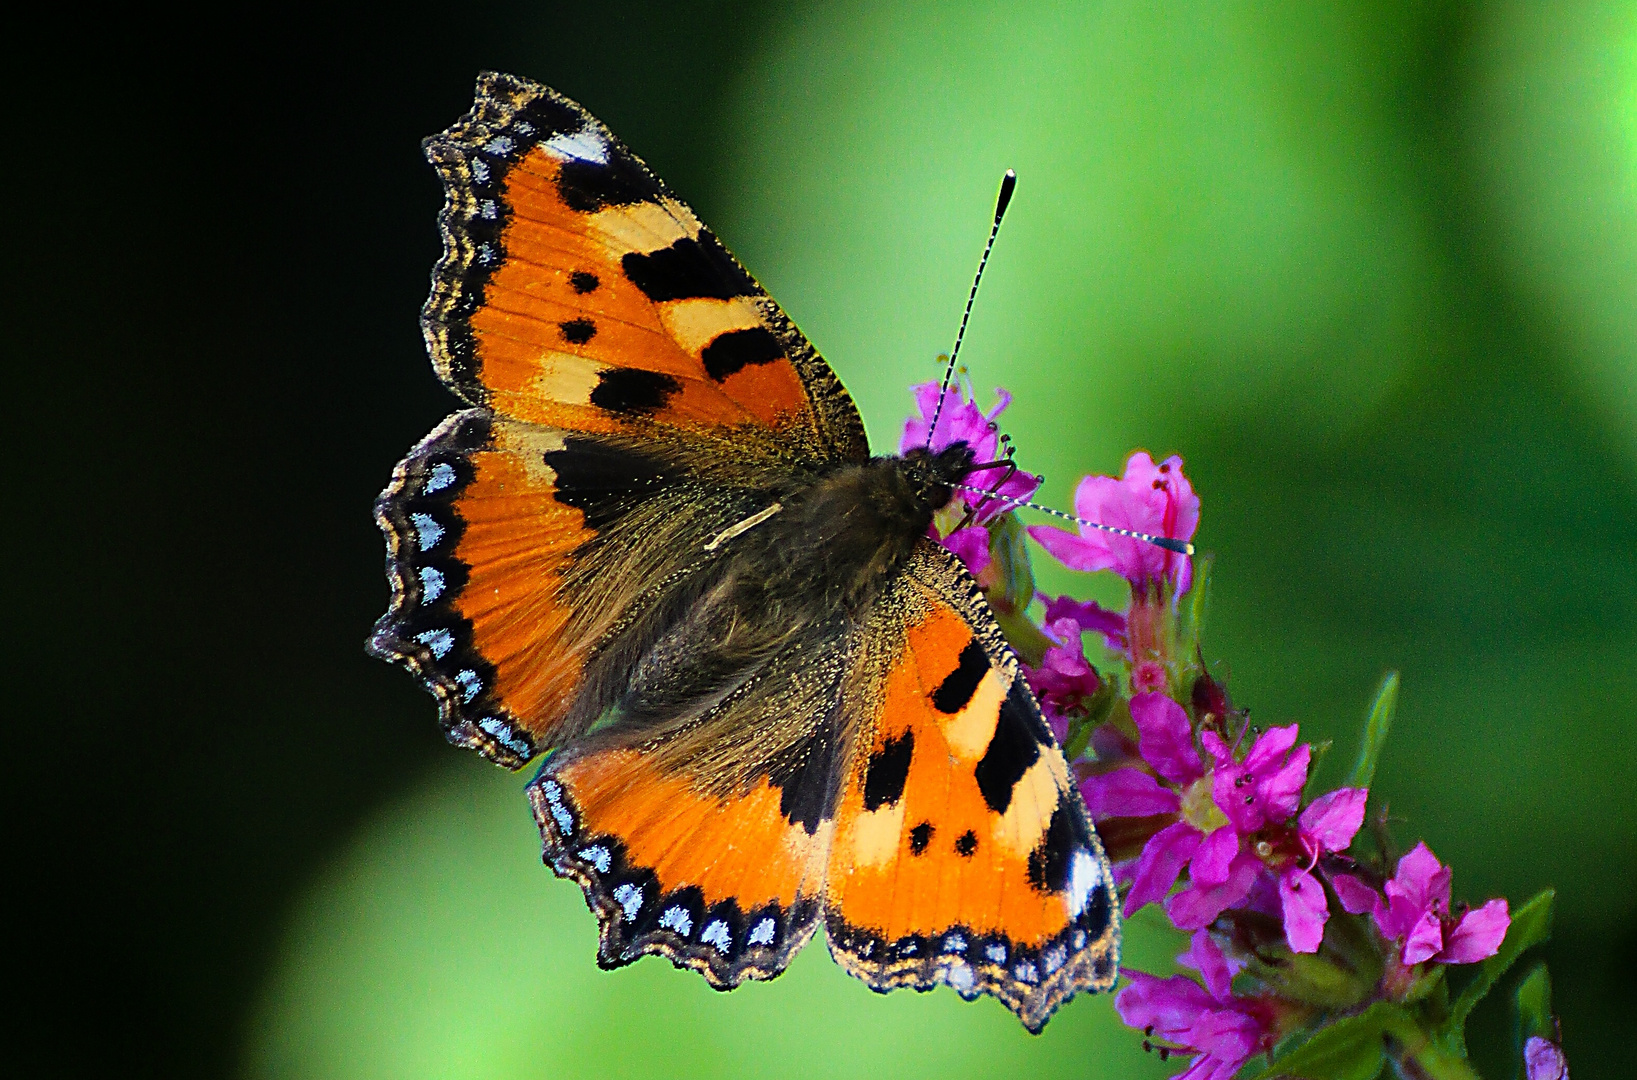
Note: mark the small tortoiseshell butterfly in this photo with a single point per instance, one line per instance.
(655, 549)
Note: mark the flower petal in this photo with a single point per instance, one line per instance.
(1305, 909)
(1228, 1035)
(1270, 749)
(1165, 738)
(1235, 796)
(1478, 935)
(1127, 793)
(1160, 863)
(1195, 906)
(1074, 552)
(971, 544)
(1206, 957)
(1424, 940)
(1280, 793)
(1091, 616)
(1220, 752)
(1170, 1005)
(1333, 819)
(1215, 856)
(1356, 897)
(1421, 878)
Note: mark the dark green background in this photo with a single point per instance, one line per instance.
(1371, 268)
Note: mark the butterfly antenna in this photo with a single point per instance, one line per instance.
(1008, 184)
(1181, 547)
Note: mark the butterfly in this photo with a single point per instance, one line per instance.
(654, 550)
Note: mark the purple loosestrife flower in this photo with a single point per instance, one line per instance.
(1327, 825)
(963, 421)
(1416, 913)
(1208, 821)
(1064, 679)
(971, 545)
(1220, 1030)
(1149, 498)
(1233, 822)
(1092, 617)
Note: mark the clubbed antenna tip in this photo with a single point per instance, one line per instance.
(1008, 184)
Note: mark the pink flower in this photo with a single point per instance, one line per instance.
(1263, 789)
(1064, 680)
(1220, 1030)
(963, 421)
(1166, 742)
(1148, 498)
(1416, 913)
(1327, 825)
(1267, 785)
(1543, 1060)
(971, 544)
(1092, 617)
(1147, 676)
(1220, 806)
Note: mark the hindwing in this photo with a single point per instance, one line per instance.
(962, 852)
(526, 562)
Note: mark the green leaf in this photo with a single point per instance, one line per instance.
(1531, 925)
(1375, 732)
(1535, 1006)
(1353, 1048)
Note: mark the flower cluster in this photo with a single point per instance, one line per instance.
(1298, 930)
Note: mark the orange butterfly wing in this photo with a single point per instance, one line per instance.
(962, 852)
(576, 291)
(931, 819)
(638, 402)
(614, 352)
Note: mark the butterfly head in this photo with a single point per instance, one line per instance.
(934, 474)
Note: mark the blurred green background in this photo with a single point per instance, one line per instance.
(1370, 267)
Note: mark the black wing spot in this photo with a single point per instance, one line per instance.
(603, 482)
(691, 267)
(738, 349)
(802, 776)
(584, 281)
(967, 844)
(548, 117)
(1096, 918)
(888, 769)
(633, 391)
(920, 837)
(1013, 749)
(589, 186)
(1049, 861)
(577, 331)
(957, 689)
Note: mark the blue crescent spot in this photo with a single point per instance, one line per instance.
(629, 898)
(427, 530)
(439, 641)
(678, 919)
(441, 476)
(431, 584)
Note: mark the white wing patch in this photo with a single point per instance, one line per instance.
(583, 145)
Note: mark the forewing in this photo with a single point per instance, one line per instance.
(963, 853)
(576, 291)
